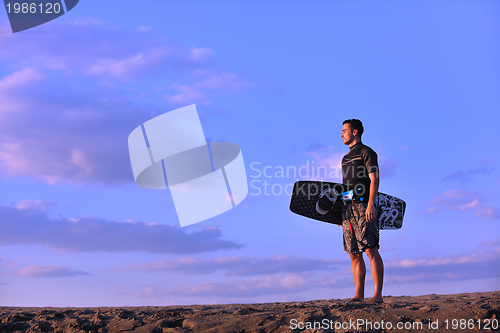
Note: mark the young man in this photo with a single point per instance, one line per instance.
(359, 216)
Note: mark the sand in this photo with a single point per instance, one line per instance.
(430, 313)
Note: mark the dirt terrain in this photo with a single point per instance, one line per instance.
(430, 313)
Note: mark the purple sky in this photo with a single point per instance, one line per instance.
(278, 79)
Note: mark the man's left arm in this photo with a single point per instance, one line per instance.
(374, 182)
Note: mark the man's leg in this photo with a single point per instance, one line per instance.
(377, 267)
(358, 273)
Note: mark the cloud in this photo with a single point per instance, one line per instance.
(255, 286)
(468, 174)
(239, 265)
(440, 261)
(19, 79)
(284, 274)
(392, 244)
(188, 94)
(326, 163)
(387, 166)
(482, 263)
(201, 92)
(34, 205)
(89, 234)
(78, 139)
(200, 54)
(488, 212)
(463, 200)
(48, 271)
(490, 244)
(90, 47)
(70, 100)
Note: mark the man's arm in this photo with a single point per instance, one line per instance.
(374, 182)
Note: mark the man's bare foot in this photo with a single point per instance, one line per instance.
(377, 299)
(355, 299)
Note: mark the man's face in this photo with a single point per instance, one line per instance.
(347, 134)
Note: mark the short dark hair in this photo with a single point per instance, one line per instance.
(356, 124)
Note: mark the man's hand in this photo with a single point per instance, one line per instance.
(370, 212)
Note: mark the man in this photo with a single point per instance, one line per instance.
(359, 216)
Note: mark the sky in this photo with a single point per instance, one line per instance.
(277, 78)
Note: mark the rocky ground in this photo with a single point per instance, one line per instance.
(431, 313)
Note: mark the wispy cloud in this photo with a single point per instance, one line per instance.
(481, 263)
(90, 234)
(70, 100)
(238, 265)
(463, 200)
(392, 244)
(28, 204)
(326, 163)
(488, 212)
(495, 243)
(49, 271)
(387, 166)
(77, 139)
(203, 92)
(93, 48)
(289, 278)
(468, 174)
(252, 287)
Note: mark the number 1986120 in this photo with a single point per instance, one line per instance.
(33, 8)
(487, 324)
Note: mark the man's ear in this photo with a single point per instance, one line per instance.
(354, 132)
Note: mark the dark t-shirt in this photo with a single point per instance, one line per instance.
(356, 165)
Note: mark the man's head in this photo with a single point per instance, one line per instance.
(352, 130)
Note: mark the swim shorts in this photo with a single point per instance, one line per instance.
(360, 234)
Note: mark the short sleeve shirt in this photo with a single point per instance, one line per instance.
(356, 165)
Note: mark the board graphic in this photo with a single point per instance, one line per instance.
(306, 193)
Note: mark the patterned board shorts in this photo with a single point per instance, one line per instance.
(364, 234)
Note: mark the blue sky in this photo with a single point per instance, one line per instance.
(277, 78)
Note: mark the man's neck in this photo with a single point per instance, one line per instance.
(354, 142)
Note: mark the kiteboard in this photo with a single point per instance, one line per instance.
(305, 202)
